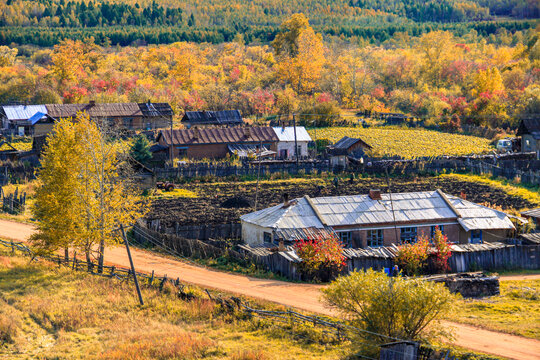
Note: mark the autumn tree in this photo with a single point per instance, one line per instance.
(85, 192)
(300, 54)
(390, 307)
(322, 256)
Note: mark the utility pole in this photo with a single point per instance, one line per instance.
(258, 157)
(295, 141)
(171, 145)
(132, 266)
(391, 202)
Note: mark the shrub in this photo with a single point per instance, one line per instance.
(322, 257)
(412, 257)
(442, 252)
(390, 307)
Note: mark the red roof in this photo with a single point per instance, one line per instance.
(219, 135)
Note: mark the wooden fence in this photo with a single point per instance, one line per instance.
(13, 203)
(524, 170)
(200, 232)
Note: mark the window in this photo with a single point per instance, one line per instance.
(476, 237)
(434, 227)
(128, 123)
(375, 238)
(299, 150)
(267, 237)
(346, 238)
(408, 235)
(182, 151)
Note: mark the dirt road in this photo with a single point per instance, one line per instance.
(302, 296)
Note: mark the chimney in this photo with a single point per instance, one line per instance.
(463, 195)
(285, 199)
(195, 134)
(375, 194)
(247, 132)
(92, 103)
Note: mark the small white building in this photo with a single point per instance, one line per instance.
(285, 148)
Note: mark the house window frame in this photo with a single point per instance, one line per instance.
(432, 232)
(346, 238)
(375, 235)
(182, 151)
(476, 237)
(267, 237)
(406, 233)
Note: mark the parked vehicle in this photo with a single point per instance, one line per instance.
(167, 186)
(509, 145)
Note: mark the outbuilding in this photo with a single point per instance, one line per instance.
(289, 136)
(529, 130)
(347, 148)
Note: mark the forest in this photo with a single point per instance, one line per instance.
(140, 22)
(445, 80)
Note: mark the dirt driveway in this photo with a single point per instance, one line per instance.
(302, 296)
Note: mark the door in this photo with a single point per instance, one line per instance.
(283, 153)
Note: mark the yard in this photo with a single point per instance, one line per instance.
(224, 202)
(515, 311)
(407, 143)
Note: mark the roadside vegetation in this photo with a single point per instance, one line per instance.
(56, 313)
(407, 143)
(515, 311)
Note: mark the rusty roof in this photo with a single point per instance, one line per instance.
(94, 110)
(219, 135)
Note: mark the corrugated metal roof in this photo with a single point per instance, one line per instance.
(94, 110)
(36, 117)
(535, 213)
(286, 134)
(361, 210)
(346, 142)
(149, 109)
(224, 117)
(23, 112)
(243, 150)
(219, 135)
(387, 252)
(533, 238)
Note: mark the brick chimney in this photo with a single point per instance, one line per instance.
(247, 132)
(375, 194)
(195, 134)
(285, 200)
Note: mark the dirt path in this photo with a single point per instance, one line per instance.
(302, 296)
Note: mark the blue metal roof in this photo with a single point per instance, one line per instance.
(36, 117)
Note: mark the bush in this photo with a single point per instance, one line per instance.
(390, 307)
(412, 257)
(322, 257)
(442, 252)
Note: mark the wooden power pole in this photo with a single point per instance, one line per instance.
(132, 266)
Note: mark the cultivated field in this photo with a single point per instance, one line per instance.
(54, 313)
(407, 143)
(209, 208)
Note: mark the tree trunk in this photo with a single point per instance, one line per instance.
(88, 260)
(101, 256)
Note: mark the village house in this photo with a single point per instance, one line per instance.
(212, 118)
(377, 219)
(346, 148)
(286, 135)
(529, 130)
(36, 120)
(215, 143)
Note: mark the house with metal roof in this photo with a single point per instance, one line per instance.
(30, 119)
(529, 130)
(214, 143)
(345, 149)
(212, 118)
(289, 136)
(377, 219)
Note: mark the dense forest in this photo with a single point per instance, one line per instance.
(446, 80)
(135, 22)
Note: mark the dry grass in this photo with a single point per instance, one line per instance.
(50, 312)
(515, 311)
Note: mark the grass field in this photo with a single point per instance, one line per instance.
(19, 143)
(515, 311)
(48, 312)
(407, 143)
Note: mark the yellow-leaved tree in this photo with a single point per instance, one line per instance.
(84, 212)
(300, 54)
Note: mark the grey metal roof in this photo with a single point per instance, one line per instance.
(286, 134)
(387, 252)
(243, 150)
(533, 238)
(361, 210)
(535, 213)
(213, 117)
(23, 112)
(346, 142)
